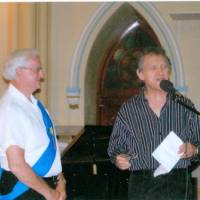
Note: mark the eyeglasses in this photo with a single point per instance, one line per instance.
(36, 70)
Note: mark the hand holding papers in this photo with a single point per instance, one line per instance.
(167, 153)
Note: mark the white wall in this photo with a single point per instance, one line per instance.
(184, 20)
(68, 21)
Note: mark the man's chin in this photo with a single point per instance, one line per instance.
(37, 90)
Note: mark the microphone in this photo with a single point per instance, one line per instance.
(168, 87)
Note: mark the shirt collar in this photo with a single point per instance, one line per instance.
(144, 99)
(19, 95)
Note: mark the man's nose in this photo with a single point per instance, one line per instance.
(41, 74)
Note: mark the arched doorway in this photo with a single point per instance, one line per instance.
(92, 46)
(117, 79)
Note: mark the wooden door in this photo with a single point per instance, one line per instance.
(118, 83)
(117, 75)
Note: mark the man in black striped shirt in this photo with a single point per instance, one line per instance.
(141, 125)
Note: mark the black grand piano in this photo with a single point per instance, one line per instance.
(89, 172)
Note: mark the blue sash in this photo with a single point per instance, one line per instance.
(43, 165)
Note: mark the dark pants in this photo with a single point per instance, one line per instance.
(175, 185)
(8, 180)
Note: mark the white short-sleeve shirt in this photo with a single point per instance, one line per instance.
(21, 124)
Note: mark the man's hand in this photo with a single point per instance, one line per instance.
(187, 150)
(122, 161)
(53, 195)
(61, 187)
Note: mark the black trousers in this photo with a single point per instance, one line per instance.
(8, 180)
(175, 185)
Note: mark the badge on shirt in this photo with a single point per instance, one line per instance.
(51, 131)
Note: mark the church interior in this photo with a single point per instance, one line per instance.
(89, 53)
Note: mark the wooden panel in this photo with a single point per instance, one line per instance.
(109, 104)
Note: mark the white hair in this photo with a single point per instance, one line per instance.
(18, 59)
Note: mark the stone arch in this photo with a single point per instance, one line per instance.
(101, 15)
(97, 21)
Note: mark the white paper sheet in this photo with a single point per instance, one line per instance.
(167, 153)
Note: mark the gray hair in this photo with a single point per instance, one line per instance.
(18, 59)
(153, 51)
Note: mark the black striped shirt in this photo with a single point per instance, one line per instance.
(138, 130)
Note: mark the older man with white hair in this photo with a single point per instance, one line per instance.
(29, 156)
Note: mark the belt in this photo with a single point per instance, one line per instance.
(150, 172)
(51, 180)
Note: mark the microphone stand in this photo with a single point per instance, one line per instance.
(195, 160)
(178, 98)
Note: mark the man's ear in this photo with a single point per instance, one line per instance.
(18, 73)
(139, 74)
